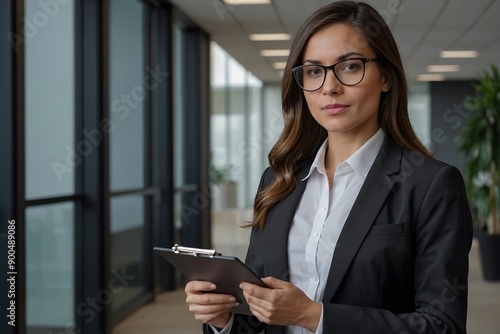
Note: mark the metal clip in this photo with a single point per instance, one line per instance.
(193, 251)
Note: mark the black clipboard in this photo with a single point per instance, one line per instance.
(226, 272)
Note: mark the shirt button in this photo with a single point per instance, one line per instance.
(315, 234)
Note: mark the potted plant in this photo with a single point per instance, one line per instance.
(223, 187)
(479, 142)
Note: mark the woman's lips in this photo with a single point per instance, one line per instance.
(335, 109)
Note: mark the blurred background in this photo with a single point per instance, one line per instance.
(129, 124)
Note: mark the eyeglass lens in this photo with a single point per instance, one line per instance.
(349, 72)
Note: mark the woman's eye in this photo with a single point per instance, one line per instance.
(313, 71)
(350, 67)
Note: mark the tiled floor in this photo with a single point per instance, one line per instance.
(169, 313)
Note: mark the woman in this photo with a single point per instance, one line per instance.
(357, 229)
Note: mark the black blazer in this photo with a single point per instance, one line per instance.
(401, 261)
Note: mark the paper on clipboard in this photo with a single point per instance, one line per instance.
(226, 272)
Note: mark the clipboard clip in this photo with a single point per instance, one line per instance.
(194, 251)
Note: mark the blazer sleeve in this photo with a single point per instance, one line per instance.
(442, 237)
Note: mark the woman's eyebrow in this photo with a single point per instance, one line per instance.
(312, 61)
(339, 58)
(348, 55)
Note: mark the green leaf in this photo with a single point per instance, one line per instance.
(479, 143)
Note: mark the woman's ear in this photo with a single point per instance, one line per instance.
(386, 86)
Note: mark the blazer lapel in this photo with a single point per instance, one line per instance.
(279, 223)
(371, 197)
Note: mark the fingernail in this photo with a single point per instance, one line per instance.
(232, 299)
(241, 286)
(213, 286)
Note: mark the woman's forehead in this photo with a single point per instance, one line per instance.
(335, 41)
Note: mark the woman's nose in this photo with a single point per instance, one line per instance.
(332, 84)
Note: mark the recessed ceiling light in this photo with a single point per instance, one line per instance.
(443, 68)
(430, 77)
(459, 54)
(279, 65)
(247, 2)
(274, 53)
(269, 37)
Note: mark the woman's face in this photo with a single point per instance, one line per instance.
(350, 110)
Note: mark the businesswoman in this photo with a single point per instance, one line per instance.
(356, 229)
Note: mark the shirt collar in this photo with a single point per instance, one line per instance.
(319, 161)
(361, 161)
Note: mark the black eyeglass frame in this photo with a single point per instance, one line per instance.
(332, 67)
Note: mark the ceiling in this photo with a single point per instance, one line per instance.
(422, 29)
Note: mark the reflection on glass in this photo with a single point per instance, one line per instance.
(257, 136)
(130, 82)
(50, 266)
(219, 154)
(51, 151)
(127, 249)
(236, 135)
(419, 109)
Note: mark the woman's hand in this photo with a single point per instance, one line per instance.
(282, 303)
(209, 308)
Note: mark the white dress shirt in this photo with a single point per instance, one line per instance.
(319, 219)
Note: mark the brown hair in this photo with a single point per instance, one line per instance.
(302, 135)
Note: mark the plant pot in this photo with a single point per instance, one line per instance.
(224, 195)
(489, 250)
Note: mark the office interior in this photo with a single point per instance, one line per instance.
(129, 124)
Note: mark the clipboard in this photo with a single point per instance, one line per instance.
(226, 272)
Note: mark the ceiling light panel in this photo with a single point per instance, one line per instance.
(430, 77)
(269, 37)
(274, 53)
(443, 68)
(247, 2)
(459, 54)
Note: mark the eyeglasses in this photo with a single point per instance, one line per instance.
(349, 72)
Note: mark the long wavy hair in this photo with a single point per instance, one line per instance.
(302, 135)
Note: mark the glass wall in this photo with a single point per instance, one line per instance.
(236, 117)
(51, 155)
(127, 248)
(191, 142)
(50, 266)
(51, 158)
(128, 92)
(419, 109)
(87, 139)
(179, 119)
(253, 150)
(219, 120)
